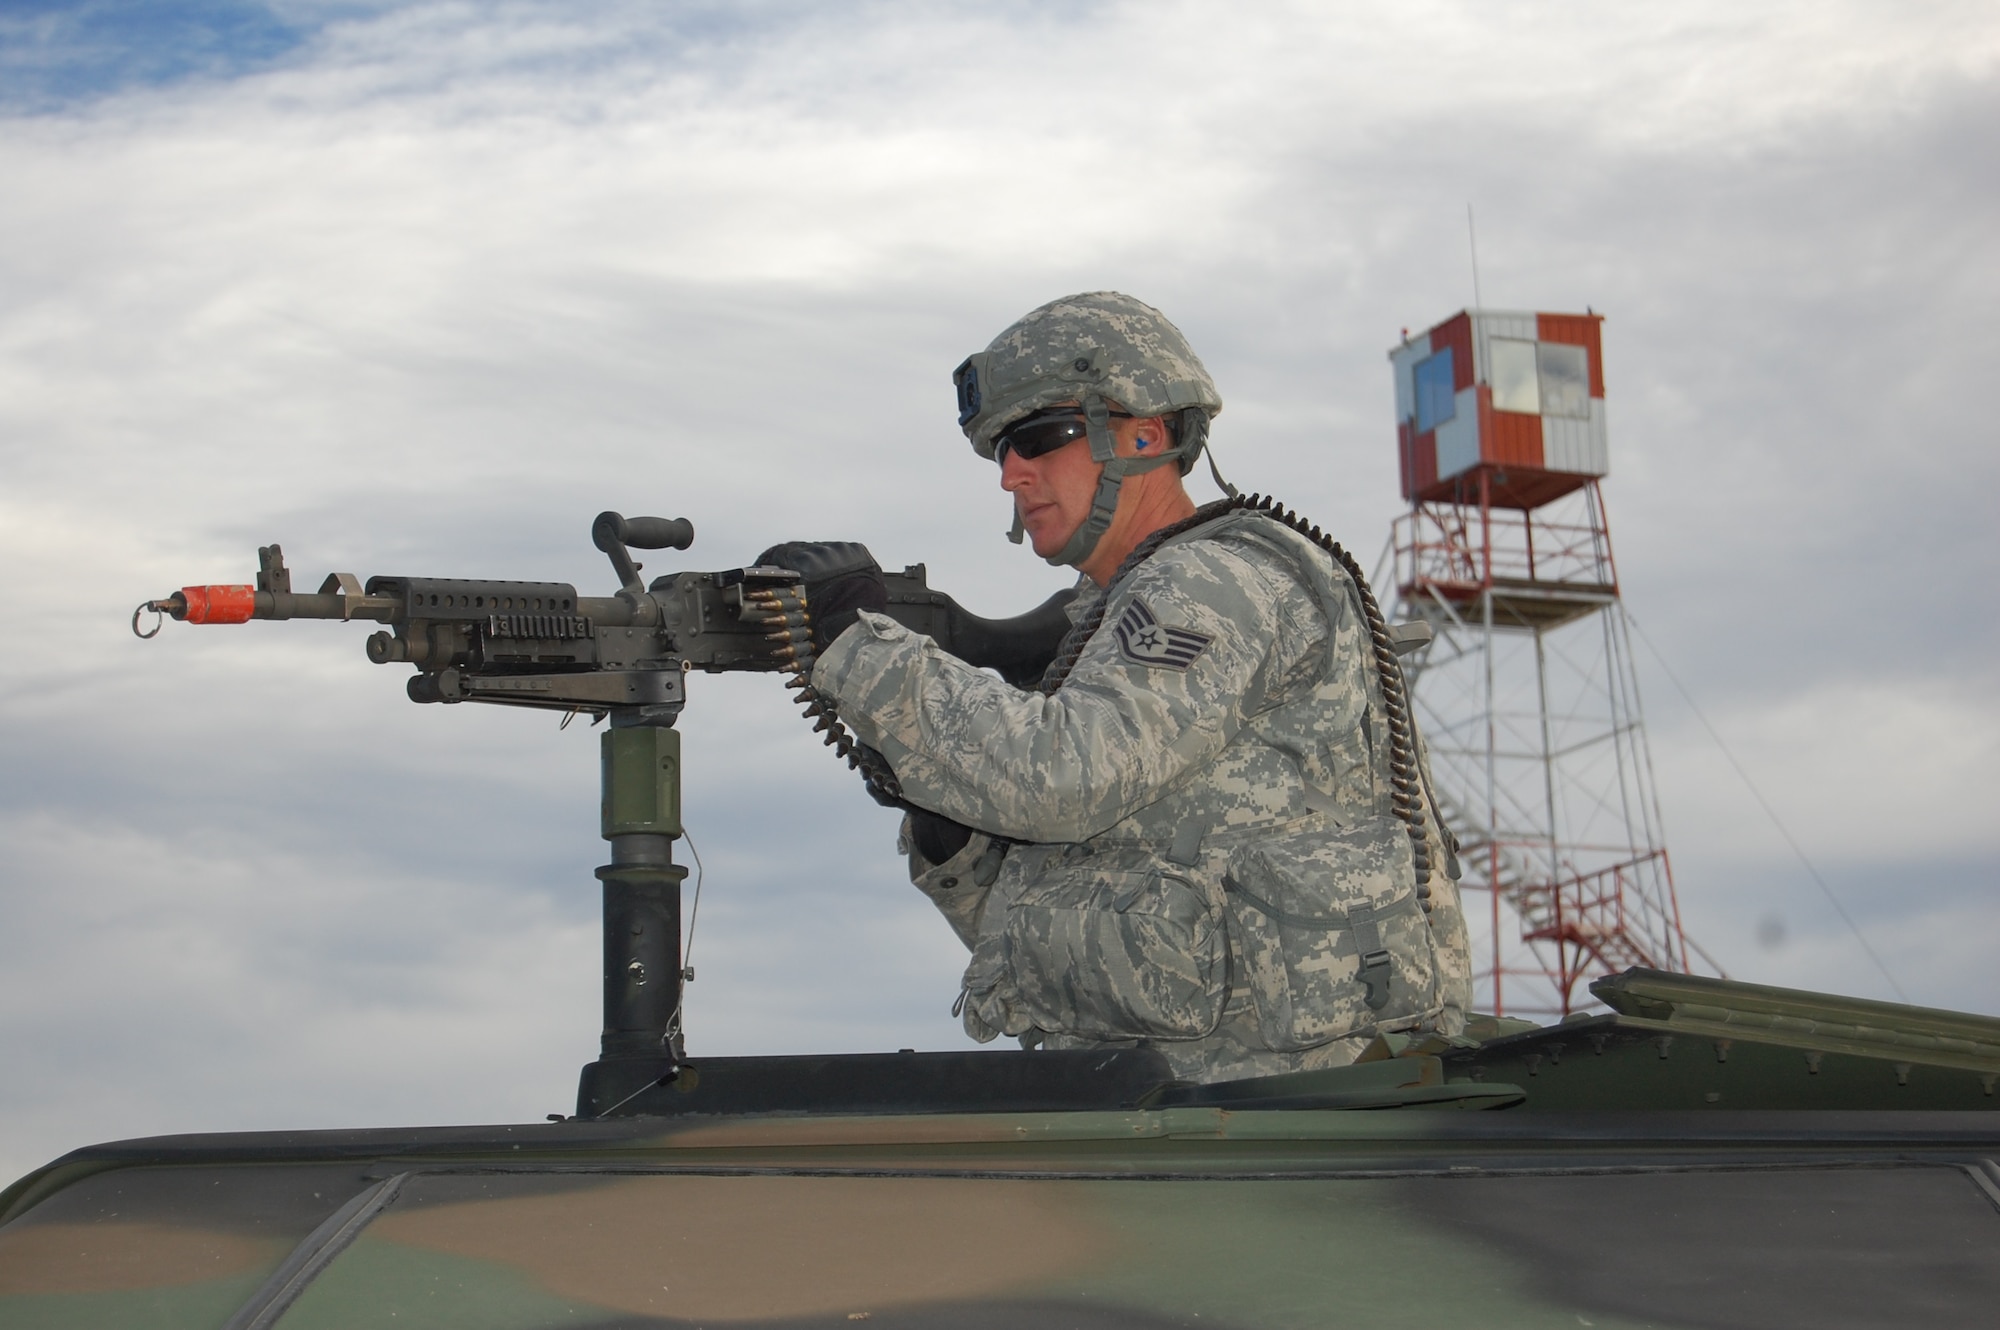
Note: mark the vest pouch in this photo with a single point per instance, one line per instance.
(1115, 944)
(1334, 940)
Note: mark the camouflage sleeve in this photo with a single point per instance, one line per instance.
(1160, 690)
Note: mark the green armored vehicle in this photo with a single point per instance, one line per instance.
(1707, 1153)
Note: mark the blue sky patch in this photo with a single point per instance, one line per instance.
(54, 53)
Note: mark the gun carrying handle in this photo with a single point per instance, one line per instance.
(659, 533)
(617, 535)
(641, 533)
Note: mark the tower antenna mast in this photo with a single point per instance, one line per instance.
(1472, 242)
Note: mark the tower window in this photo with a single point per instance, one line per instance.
(1565, 376)
(1435, 404)
(1511, 372)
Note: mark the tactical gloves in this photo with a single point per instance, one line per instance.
(936, 837)
(841, 580)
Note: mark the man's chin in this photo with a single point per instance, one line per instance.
(1047, 543)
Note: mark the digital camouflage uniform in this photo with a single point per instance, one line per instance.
(1204, 854)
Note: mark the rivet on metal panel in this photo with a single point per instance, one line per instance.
(1986, 1083)
(1722, 1050)
(1663, 1042)
(1598, 1041)
(1812, 1064)
(1902, 1073)
(1555, 1055)
(1534, 1061)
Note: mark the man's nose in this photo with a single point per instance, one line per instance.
(1014, 472)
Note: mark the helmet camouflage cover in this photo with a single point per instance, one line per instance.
(1104, 351)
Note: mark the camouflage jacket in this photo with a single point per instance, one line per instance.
(1199, 848)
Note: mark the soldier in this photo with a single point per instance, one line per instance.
(1209, 832)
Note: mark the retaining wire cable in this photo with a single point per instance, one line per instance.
(687, 943)
(1769, 811)
(694, 911)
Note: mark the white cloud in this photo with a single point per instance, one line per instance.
(1893, 767)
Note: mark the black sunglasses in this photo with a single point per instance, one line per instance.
(1043, 432)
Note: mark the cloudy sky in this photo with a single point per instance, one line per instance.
(421, 288)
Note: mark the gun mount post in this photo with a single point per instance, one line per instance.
(641, 817)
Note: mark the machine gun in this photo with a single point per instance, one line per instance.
(622, 657)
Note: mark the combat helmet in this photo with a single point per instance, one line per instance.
(1098, 349)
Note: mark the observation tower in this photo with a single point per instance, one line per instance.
(1526, 690)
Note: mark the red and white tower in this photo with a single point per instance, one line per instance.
(1526, 692)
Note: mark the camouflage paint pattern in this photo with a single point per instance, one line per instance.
(1130, 1220)
(1204, 845)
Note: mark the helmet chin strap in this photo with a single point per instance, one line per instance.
(1104, 503)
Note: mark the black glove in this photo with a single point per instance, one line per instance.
(841, 578)
(936, 837)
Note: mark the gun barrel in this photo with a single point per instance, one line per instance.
(320, 605)
(242, 603)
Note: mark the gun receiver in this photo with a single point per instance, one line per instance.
(625, 657)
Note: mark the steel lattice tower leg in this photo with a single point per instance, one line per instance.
(1538, 745)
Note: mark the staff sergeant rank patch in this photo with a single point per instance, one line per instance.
(1144, 640)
